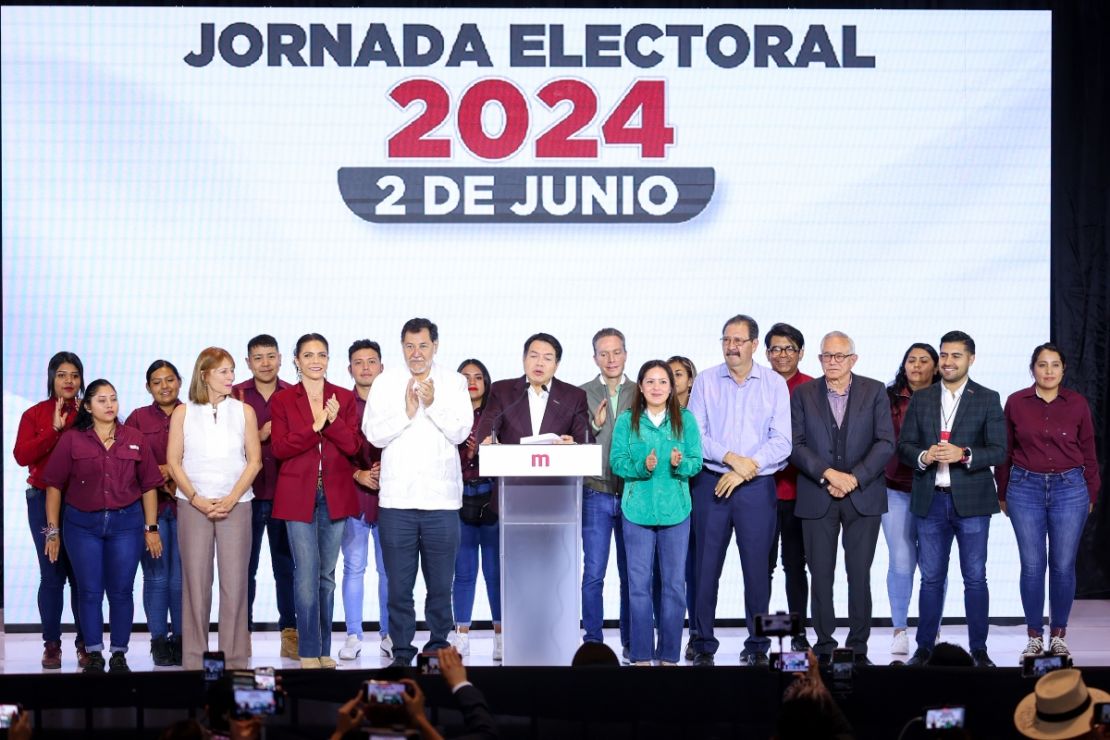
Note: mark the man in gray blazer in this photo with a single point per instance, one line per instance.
(954, 431)
(843, 438)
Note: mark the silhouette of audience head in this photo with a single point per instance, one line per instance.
(594, 653)
(949, 655)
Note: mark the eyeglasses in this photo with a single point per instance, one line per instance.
(776, 351)
(838, 358)
(735, 341)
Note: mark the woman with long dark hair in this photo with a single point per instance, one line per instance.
(479, 529)
(315, 434)
(656, 449)
(214, 454)
(918, 370)
(162, 576)
(109, 478)
(40, 428)
(1047, 487)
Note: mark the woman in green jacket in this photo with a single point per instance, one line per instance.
(656, 449)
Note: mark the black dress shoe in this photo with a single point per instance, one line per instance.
(689, 654)
(862, 659)
(799, 644)
(400, 662)
(702, 660)
(920, 657)
(982, 660)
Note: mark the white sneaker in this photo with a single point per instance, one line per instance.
(385, 648)
(351, 648)
(1035, 646)
(900, 645)
(498, 647)
(462, 643)
(1057, 646)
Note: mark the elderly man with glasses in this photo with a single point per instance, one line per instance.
(843, 438)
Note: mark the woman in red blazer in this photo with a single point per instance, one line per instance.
(314, 431)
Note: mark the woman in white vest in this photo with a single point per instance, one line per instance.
(214, 454)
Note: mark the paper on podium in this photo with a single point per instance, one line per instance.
(541, 439)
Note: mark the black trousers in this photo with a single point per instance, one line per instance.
(788, 529)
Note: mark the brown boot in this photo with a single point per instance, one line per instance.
(82, 655)
(52, 654)
(289, 643)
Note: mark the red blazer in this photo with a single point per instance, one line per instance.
(300, 449)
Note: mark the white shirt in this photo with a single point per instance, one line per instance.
(949, 405)
(214, 448)
(537, 404)
(656, 419)
(420, 458)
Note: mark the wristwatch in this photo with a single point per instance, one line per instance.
(151, 528)
(966, 455)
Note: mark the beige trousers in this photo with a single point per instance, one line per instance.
(229, 542)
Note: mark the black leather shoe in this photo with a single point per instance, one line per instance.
(702, 660)
(399, 662)
(982, 660)
(689, 654)
(118, 664)
(161, 651)
(799, 644)
(920, 657)
(862, 659)
(94, 664)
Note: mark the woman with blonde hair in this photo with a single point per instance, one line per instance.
(214, 454)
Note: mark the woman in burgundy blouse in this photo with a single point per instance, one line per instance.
(109, 478)
(40, 428)
(162, 576)
(1047, 486)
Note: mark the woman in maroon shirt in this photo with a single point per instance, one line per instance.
(918, 370)
(1047, 486)
(40, 428)
(104, 469)
(162, 576)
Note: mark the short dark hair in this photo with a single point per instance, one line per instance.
(311, 337)
(417, 325)
(56, 362)
(158, 365)
(361, 344)
(262, 340)
(544, 337)
(753, 328)
(949, 654)
(1046, 347)
(784, 330)
(959, 336)
(608, 332)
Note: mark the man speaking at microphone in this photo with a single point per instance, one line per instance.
(536, 403)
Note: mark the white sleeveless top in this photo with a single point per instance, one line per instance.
(215, 448)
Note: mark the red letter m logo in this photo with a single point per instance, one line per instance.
(541, 461)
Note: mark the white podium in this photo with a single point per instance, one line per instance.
(540, 500)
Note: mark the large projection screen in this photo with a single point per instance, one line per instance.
(175, 178)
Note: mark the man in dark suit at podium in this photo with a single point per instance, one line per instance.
(954, 431)
(537, 402)
(843, 438)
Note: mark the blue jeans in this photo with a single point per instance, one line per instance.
(281, 560)
(414, 538)
(356, 551)
(1054, 506)
(162, 581)
(472, 538)
(750, 513)
(691, 583)
(105, 548)
(935, 532)
(642, 545)
(315, 548)
(52, 576)
(900, 532)
(601, 523)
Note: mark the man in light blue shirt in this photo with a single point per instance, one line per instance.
(743, 414)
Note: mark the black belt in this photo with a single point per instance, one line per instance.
(944, 489)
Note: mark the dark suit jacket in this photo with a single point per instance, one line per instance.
(477, 718)
(868, 445)
(979, 424)
(507, 412)
(299, 449)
